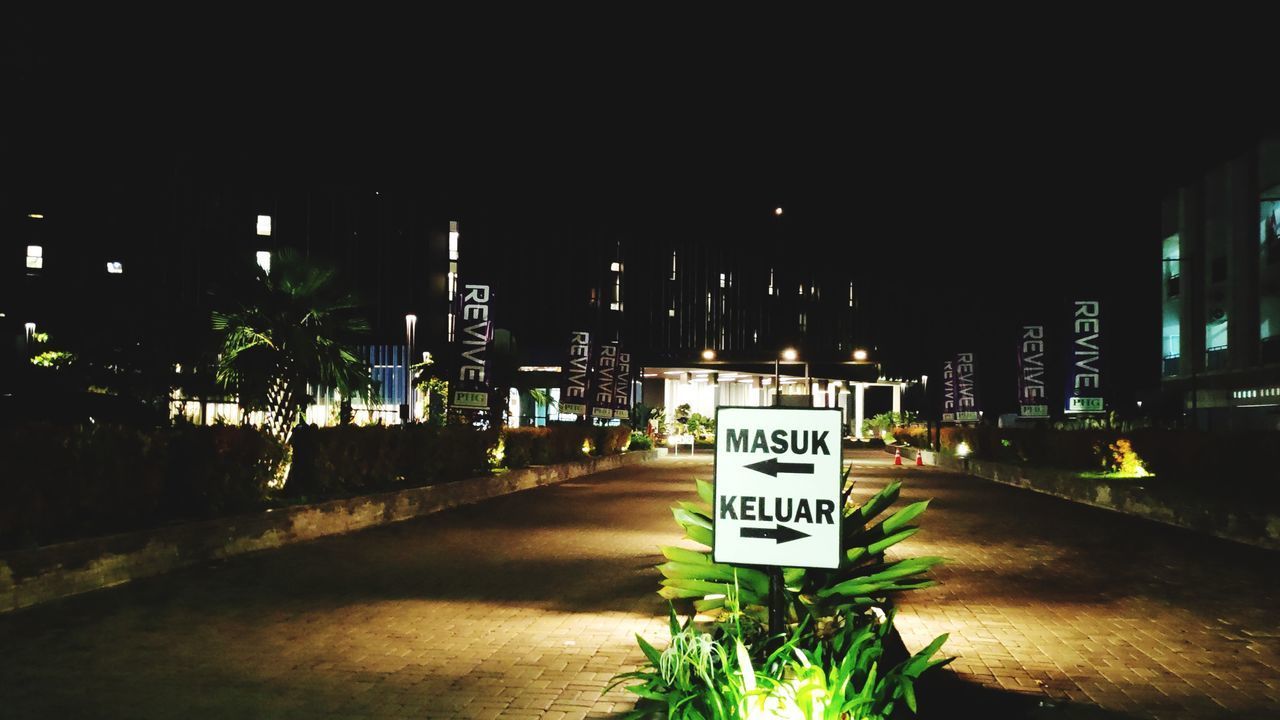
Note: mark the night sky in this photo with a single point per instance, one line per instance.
(990, 185)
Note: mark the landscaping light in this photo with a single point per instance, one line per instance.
(962, 450)
(859, 355)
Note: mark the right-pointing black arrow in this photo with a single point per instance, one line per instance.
(779, 534)
(772, 467)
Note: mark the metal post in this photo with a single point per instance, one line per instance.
(776, 387)
(777, 603)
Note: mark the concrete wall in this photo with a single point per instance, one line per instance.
(30, 577)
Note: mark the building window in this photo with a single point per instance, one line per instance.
(671, 312)
(721, 279)
(264, 261)
(453, 239)
(850, 294)
(115, 268)
(673, 264)
(770, 281)
(264, 225)
(35, 257)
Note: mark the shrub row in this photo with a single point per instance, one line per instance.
(1187, 457)
(560, 443)
(61, 482)
(350, 459)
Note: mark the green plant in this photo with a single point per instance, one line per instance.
(865, 577)
(291, 328)
(640, 441)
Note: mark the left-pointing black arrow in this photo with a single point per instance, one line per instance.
(772, 467)
(779, 534)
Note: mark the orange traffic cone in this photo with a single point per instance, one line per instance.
(919, 459)
(897, 456)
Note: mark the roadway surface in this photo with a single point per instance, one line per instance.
(524, 606)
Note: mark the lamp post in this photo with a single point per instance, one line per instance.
(410, 325)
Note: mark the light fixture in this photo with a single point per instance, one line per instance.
(264, 261)
(615, 266)
(36, 216)
(777, 211)
(790, 354)
(708, 354)
(859, 354)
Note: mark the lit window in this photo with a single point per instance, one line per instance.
(115, 268)
(801, 289)
(35, 257)
(673, 264)
(264, 261)
(721, 279)
(36, 216)
(453, 239)
(850, 294)
(615, 266)
(671, 312)
(615, 306)
(264, 225)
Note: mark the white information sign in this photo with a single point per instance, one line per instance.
(777, 487)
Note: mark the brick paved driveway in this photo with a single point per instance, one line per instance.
(1073, 603)
(522, 607)
(519, 607)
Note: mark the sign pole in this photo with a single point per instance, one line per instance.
(777, 604)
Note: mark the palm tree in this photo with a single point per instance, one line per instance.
(294, 326)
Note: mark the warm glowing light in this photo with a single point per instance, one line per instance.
(36, 216)
(962, 450)
(859, 354)
(264, 225)
(777, 211)
(790, 354)
(708, 354)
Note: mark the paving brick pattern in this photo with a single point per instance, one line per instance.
(518, 607)
(524, 606)
(1081, 605)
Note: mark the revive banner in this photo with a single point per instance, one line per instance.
(622, 387)
(573, 390)
(949, 391)
(1084, 360)
(604, 380)
(1032, 399)
(967, 409)
(475, 331)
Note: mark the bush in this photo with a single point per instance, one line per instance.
(349, 459)
(640, 441)
(67, 481)
(560, 443)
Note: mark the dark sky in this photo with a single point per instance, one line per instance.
(989, 180)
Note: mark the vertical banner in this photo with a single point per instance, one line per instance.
(602, 386)
(474, 334)
(574, 388)
(622, 386)
(1084, 360)
(949, 391)
(1032, 399)
(967, 409)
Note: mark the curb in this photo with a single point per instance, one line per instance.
(32, 577)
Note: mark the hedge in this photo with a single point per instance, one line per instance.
(61, 482)
(350, 459)
(1238, 463)
(560, 443)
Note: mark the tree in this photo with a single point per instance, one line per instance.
(292, 327)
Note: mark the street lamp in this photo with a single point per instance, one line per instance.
(859, 354)
(789, 355)
(410, 324)
(708, 354)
